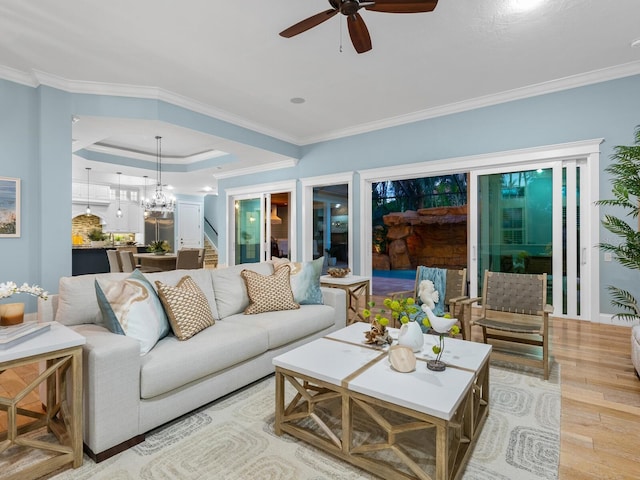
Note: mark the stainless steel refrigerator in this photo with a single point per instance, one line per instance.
(159, 226)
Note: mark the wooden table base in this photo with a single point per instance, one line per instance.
(63, 416)
(378, 436)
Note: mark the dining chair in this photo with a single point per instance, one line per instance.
(187, 259)
(114, 261)
(129, 263)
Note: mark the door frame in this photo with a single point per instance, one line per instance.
(259, 191)
(306, 201)
(587, 151)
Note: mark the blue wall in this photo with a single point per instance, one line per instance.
(35, 133)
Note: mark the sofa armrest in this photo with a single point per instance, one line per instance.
(336, 298)
(111, 387)
(47, 308)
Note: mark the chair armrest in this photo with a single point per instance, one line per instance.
(548, 309)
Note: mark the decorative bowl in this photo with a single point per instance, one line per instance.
(338, 272)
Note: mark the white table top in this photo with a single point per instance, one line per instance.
(457, 353)
(58, 337)
(346, 280)
(434, 393)
(326, 360)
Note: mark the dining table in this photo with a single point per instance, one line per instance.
(166, 261)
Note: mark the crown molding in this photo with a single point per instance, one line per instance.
(566, 83)
(288, 163)
(36, 78)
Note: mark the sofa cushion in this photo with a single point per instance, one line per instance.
(131, 306)
(230, 290)
(305, 279)
(173, 364)
(290, 325)
(201, 276)
(186, 307)
(77, 298)
(269, 293)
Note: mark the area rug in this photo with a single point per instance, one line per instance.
(233, 439)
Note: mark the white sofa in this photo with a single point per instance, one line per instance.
(635, 348)
(127, 394)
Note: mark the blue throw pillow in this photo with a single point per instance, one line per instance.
(305, 280)
(131, 307)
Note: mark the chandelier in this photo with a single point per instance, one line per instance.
(159, 202)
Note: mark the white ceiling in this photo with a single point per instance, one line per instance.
(226, 59)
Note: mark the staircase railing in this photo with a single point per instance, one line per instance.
(210, 232)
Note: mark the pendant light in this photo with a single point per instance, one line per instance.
(88, 210)
(119, 211)
(143, 204)
(159, 202)
(275, 219)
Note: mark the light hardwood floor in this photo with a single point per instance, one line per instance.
(600, 419)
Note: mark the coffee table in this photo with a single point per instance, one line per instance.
(348, 401)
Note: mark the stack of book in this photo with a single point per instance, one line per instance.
(14, 334)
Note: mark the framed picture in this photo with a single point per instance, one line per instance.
(9, 207)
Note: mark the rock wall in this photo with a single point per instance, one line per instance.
(436, 237)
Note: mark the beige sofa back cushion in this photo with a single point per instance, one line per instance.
(77, 302)
(230, 289)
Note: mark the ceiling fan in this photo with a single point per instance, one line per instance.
(357, 29)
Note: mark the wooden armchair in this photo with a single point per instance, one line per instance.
(515, 310)
(454, 298)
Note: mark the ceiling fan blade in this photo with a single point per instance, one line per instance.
(308, 23)
(402, 6)
(359, 33)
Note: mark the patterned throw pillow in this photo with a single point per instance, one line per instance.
(186, 306)
(269, 293)
(305, 280)
(131, 307)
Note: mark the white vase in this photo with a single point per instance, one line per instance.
(411, 336)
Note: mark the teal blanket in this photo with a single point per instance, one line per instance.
(439, 278)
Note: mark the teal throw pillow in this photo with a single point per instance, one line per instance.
(305, 280)
(131, 307)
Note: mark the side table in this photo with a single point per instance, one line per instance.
(61, 350)
(356, 288)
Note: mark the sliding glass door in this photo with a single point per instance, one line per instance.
(528, 221)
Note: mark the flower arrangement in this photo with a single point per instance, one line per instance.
(402, 310)
(160, 246)
(9, 288)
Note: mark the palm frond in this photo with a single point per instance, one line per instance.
(624, 300)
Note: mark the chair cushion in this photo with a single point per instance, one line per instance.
(269, 293)
(186, 307)
(131, 307)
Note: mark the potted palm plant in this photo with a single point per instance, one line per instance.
(625, 174)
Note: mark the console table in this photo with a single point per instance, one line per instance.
(356, 287)
(60, 348)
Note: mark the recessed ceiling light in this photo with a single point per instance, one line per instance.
(526, 5)
(297, 100)
(207, 188)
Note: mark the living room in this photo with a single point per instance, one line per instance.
(576, 115)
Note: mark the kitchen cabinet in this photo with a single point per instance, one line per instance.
(130, 221)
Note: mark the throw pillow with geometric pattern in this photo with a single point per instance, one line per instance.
(186, 306)
(269, 293)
